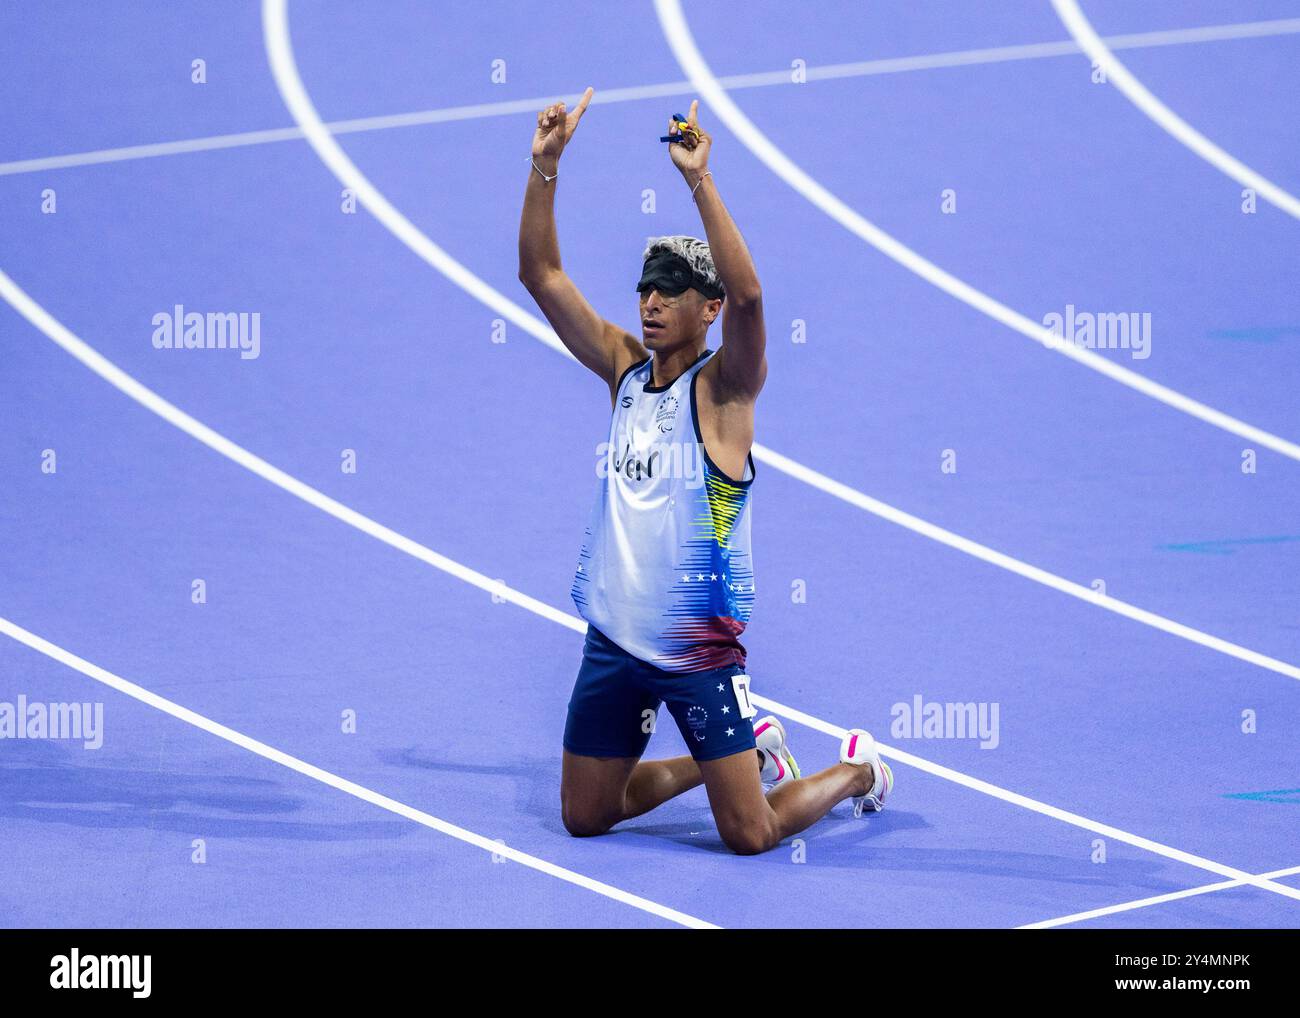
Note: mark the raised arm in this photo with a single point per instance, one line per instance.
(742, 359)
(598, 344)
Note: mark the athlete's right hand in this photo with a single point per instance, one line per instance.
(555, 127)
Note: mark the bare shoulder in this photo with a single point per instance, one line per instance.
(624, 350)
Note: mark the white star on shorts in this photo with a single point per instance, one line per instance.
(721, 687)
(726, 710)
(731, 731)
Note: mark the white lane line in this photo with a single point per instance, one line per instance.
(150, 151)
(1024, 569)
(1024, 801)
(678, 34)
(243, 741)
(825, 72)
(1165, 118)
(1035, 805)
(1158, 899)
(283, 67)
(120, 380)
(173, 415)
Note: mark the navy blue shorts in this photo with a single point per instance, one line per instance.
(615, 704)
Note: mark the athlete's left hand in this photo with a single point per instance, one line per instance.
(691, 154)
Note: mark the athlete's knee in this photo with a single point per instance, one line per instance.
(584, 822)
(581, 826)
(749, 835)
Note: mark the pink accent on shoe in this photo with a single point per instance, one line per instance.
(853, 744)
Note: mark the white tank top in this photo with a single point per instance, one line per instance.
(665, 569)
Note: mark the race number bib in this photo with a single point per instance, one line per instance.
(740, 685)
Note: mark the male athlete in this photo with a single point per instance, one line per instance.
(664, 578)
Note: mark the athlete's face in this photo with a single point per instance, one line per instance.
(669, 320)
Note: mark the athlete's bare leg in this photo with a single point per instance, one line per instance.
(751, 823)
(593, 790)
(654, 782)
(598, 792)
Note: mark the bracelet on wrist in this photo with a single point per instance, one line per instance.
(543, 175)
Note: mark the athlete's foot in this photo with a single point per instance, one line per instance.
(876, 780)
(775, 759)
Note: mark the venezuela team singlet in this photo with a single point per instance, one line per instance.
(665, 569)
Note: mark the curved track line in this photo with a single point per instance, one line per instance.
(820, 72)
(285, 71)
(678, 34)
(152, 699)
(1165, 118)
(151, 401)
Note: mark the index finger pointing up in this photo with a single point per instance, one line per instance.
(693, 118)
(582, 103)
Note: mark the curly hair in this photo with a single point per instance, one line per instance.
(692, 250)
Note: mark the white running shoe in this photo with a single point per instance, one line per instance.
(778, 762)
(859, 748)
